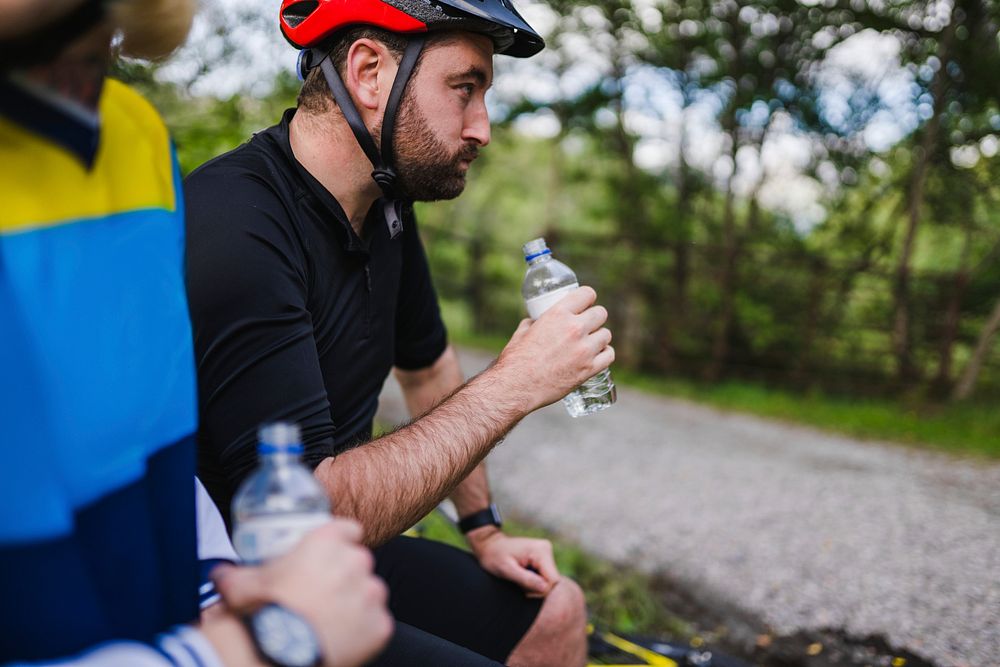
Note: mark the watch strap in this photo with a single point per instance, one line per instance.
(485, 517)
(276, 661)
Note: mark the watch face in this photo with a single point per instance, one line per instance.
(284, 637)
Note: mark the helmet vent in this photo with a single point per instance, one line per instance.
(296, 13)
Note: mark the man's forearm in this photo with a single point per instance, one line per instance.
(230, 639)
(423, 390)
(473, 493)
(391, 483)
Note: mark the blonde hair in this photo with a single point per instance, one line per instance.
(152, 29)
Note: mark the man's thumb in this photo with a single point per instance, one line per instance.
(240, 587)
(531, 582)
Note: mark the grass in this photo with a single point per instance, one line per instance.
(968, 429)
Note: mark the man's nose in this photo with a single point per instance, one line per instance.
(477, 124)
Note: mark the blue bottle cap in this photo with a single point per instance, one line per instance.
(535, 248)
(279, 437)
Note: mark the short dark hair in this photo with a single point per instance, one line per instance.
(315, 97)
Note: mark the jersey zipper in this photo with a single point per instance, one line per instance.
(368, 299)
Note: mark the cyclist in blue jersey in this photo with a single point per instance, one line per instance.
(106, 537)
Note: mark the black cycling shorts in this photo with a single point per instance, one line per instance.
(446, 605)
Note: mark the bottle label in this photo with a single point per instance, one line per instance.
(262, 538)
(539, 304)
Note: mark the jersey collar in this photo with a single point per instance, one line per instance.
(44, 113)
(375, 225)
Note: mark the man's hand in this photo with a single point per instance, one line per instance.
(328, 579)
(548, 358)
(526, 561)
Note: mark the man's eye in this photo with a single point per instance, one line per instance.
(467, 89)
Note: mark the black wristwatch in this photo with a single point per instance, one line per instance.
(283, 638)
(487, 517)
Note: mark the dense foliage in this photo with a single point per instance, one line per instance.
(750, 200)
(896, 289)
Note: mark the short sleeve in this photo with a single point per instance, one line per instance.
(246, 282)
(421, 336)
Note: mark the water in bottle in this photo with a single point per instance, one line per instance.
(280, 501)
(547, 281)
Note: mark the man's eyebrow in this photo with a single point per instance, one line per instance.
(473, 72)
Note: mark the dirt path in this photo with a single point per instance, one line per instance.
(802, 529)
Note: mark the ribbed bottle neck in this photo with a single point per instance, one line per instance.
(279, 461)
(540, 259)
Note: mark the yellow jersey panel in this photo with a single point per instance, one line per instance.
(42, 184)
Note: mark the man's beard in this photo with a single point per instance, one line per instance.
(427, 170)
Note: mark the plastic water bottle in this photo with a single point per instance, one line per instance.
(280, 501)
(547, 281)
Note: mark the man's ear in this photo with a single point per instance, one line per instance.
(369, 72)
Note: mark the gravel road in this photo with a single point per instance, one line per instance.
(802, 529)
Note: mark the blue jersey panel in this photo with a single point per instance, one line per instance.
(109, 344)
(29, 488)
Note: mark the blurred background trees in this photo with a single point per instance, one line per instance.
(799, 193)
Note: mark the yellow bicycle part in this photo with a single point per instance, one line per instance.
(641, 652)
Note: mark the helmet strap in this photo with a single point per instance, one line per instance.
(385, 173)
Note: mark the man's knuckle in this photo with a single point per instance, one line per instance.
(377, 591)
(384, 625)
(358, 559)
(367, 559)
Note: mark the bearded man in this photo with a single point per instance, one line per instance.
(308, 283)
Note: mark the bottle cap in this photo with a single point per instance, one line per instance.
(535, 248)
(279, 437)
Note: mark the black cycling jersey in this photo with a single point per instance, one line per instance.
(295, 316)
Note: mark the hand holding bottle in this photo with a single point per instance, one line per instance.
(328, 579)
(547, 283)
(548, 358)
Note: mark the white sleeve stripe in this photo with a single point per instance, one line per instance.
(193, 653)
(188, 648)
(200, 647)
(209, 601)
(174, 649)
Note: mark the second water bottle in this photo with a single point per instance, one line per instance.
(279, 502)
(546, 282)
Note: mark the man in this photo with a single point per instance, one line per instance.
(99, 556)
(308, 283)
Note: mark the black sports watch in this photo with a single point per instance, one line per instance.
(283, 638)
(487, 517)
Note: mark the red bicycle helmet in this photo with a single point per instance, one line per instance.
(306, 23)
